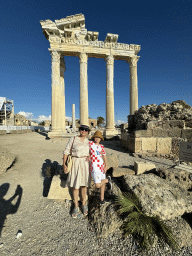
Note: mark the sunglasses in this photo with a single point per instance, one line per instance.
(84, 129)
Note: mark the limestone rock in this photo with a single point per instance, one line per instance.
(177, 110)
(21, 120)
(112, 160)
(141, 167)
(177, 176)
(158, 196)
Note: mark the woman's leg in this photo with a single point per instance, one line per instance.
(84, 195)
(76, 196)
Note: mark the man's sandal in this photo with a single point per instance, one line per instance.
(75, 211)
(85, 210)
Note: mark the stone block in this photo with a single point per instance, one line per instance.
(149, 144)
(151, 125)
(186, 134)
(177, 124)
(2, 132)
(58, 189)
(120, 171)
(164, 145)
(142, 133)
(141, 167)
(138, 145)
(112, 160)
(16, 131)
(134, 144)
(160, 133)
(175, 132)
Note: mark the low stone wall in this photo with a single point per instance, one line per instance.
(156, 141)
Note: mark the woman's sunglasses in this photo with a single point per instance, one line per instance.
(84, 129)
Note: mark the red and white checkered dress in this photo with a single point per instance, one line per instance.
(96, 152)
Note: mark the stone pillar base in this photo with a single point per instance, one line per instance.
(109, 133)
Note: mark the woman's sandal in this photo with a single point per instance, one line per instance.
(85, 210)
(74, 213)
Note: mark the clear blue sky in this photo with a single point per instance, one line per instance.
(163, 29)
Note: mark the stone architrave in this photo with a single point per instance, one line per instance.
(62, 102)
(73, 118)
(56, 120)
(110, 129)
(133, 84)
(84, 116)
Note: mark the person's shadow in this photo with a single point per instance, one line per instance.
(6, 206)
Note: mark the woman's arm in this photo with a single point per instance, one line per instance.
(65, 169)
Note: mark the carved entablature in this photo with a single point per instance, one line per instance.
(71, 31)
(111, 38)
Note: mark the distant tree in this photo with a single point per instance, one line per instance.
(100, 120)
(42, 123)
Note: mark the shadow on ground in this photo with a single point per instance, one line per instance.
(48, 170)
(6, 206)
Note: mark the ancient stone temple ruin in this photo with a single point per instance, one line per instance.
(69, 37)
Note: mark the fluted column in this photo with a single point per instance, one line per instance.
(133, 84)
(56, 124)
(84, 114)
(62, 101)
(110, 129)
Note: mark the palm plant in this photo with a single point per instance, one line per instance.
(145, 228)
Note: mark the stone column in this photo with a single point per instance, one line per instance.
(62, 102)
(84, 116)
(110, 129)
(56, 120)
(73, 118)
(133, 84)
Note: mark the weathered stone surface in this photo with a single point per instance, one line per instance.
(2, 132)
(187, 133)
(142, 133)
(6, 159)
(167, 116)
(58, 189)
(112, 160)
(164, 145)
(141, 167)
(119, 171)
(148, 144)
(178, 177)
(158, 196)
(176, 132)
(160, 133)
(21, 120)
(175, 146)
(134, 144)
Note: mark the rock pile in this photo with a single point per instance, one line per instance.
(177, 110)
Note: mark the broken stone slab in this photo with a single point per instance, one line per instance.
(141, 167)
(59, 190)
(119, 171)
(112, 160)
(158, 196)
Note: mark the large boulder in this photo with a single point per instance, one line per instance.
(158, 196)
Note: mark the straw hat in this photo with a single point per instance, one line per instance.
(97, 134)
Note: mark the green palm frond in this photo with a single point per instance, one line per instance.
(145, 228)
(128, 201)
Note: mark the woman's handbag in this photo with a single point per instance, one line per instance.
(69, 161)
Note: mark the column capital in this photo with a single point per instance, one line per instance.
(110, 60)
(133, 61)
(55, 56)
(83, 57)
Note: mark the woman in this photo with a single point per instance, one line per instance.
(79, 176)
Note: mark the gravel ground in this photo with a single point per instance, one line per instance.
(46, 225)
